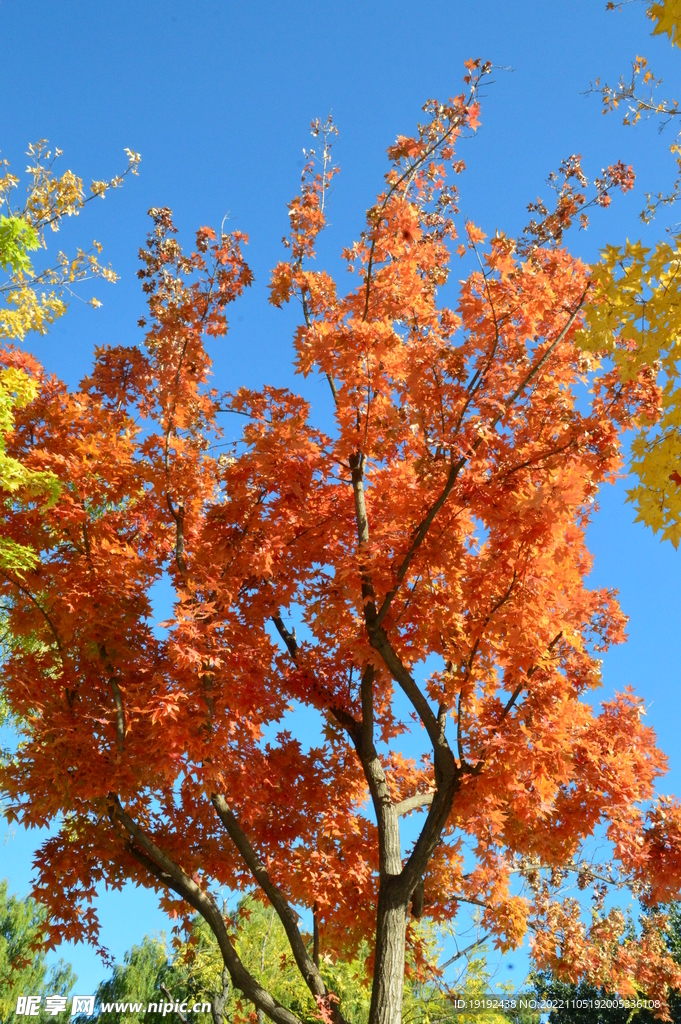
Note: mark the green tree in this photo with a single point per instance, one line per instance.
(23, 970)
(136, 980)
(191, 971)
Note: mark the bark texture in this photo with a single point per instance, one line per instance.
(386, 993)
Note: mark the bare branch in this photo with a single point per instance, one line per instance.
(413, 802)
(463, 952)
(285, 913)
(469, 899)
(288, 637)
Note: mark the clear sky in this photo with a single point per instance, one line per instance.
(218, 97)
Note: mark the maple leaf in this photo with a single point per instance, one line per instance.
(475, 235)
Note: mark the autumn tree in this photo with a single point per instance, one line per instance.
(26, 305)
(634, 313)
(428, 551)
(586, 1004)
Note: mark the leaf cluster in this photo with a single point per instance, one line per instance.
(33, 299)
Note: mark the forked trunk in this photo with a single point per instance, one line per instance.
(386, 993)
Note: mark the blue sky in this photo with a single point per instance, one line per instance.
(218, 97)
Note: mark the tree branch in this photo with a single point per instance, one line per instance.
(308, 324)
(462, 952)
(262, 958)
(343, 717)
(166, 992)
(118, 699)
(413, 802)
(420, 535)
(170, 874)
(469, 899)
(315, 934)
(27, 593)
(286, 915)
(456, 467)
(178, 516)
(512, 700)
(408, 177)
(499, 603)
(218, 1002)
(288, 637)
(378, 638)
(445, 765)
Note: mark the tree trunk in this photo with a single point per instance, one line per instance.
(315, 936)
(386, 993)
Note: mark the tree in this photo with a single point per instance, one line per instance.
(191, 973)
(137, 980)
(26, 306)
(586, 1004)
(17, 238)
(431, 545)
(634, 313)
(22, 962)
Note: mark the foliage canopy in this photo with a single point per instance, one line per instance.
(431, 545)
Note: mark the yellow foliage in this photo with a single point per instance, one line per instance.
(635, 317)
(635, 311)
(25, 311)
(667, 18)
(17, 390)
(31, 300)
